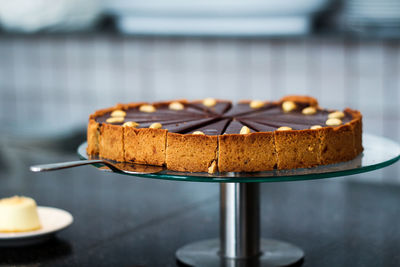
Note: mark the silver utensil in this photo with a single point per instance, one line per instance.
(115, 167)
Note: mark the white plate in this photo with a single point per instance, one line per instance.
(53, 220)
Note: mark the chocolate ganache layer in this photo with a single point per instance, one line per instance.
(158, 134)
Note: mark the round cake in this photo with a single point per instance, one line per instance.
(18, 214)
(212, 135)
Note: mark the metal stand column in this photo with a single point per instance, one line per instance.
(239, 243)
(240, 220)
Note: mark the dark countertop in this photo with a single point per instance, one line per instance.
(130, 221)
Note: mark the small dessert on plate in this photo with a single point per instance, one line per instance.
(18, 214)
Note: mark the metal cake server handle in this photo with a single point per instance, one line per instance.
(115, 167)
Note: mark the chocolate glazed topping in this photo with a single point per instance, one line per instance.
(225, 118)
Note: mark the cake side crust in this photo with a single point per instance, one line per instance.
(111, 144)
(190, 152)
(93, 131)
(337, 144)
(297, 149)
(356, 123)
(344, 142)
(145, 146)
(93, 134)
(246, 152)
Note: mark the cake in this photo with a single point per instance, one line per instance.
(18, 214)
(213, 135)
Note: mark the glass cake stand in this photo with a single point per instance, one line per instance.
(239, 243)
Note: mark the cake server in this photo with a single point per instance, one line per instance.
(115, 167)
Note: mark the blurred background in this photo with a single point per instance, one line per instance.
(60, 60)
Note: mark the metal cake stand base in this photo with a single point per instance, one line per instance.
(239, 243)
(207, 253)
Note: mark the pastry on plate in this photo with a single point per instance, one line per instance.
(18, 214)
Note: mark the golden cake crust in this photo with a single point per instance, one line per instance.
(246, 152)
(145, 146)
(191, 152)
(297, 149)
(251, 152)
(93, 131)
(111, 143)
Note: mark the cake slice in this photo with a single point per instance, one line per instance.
(111, 142)
(147, 145)
(93, 131)
(356, 124)
(249, 152)
(196, 151)
(297, 149)
(337, 144)
(294, 149)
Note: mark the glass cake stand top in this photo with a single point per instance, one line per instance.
(378, 152)
(239, 243)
